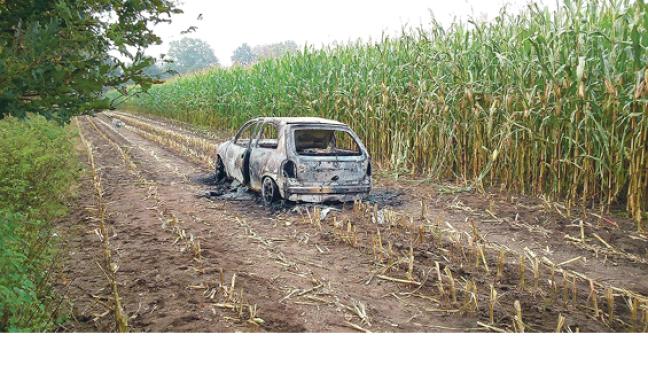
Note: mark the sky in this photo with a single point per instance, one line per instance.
(226, 25)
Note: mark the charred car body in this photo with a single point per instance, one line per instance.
(298, 159)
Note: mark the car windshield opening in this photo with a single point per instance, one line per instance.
(325, 142)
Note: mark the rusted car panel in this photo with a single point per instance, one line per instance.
(305, 159)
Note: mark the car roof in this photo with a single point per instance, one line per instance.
(298, 120)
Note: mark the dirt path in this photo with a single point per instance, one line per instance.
(188, 263)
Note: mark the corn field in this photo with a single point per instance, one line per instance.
(541, 102)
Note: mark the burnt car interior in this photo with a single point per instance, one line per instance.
(269, 137)
(325, 142)
(243, 139)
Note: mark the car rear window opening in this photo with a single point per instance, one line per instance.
(325, 142)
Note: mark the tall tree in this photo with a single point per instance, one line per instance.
(190, 54)
(274, 50)
(58, 56)
(243, 55)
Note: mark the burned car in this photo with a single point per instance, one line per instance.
(297, 159)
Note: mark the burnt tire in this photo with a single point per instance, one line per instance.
(220, 169)
(269, 191)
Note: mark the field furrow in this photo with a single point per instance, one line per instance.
(420, 257)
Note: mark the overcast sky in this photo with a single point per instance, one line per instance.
(226, 25)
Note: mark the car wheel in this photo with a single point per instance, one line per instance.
(269, 191)
(220, 169)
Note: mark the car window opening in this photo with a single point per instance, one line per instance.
(245, 135)
(325, 142)
(269, 137)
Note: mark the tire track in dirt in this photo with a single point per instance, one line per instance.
(153, 275)
(80, 278)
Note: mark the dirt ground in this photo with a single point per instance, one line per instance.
(418, 256)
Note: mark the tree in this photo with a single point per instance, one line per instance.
(154, 71)
(243, 55)
(274, 50)
(57, 57)
(190, 54)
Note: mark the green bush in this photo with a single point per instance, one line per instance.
(38, 166)
(21, 309)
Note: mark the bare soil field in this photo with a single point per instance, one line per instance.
(194, 255)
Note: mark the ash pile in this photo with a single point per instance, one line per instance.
(224, 189)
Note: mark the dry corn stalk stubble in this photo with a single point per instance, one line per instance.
(109, 268)
(570, 292)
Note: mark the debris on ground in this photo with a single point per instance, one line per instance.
(208, 179)
(225, 189)
(233, 190)
(324, 212)
(383, 196)
(117, 123)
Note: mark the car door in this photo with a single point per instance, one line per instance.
(262, 148)
(237, 155)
